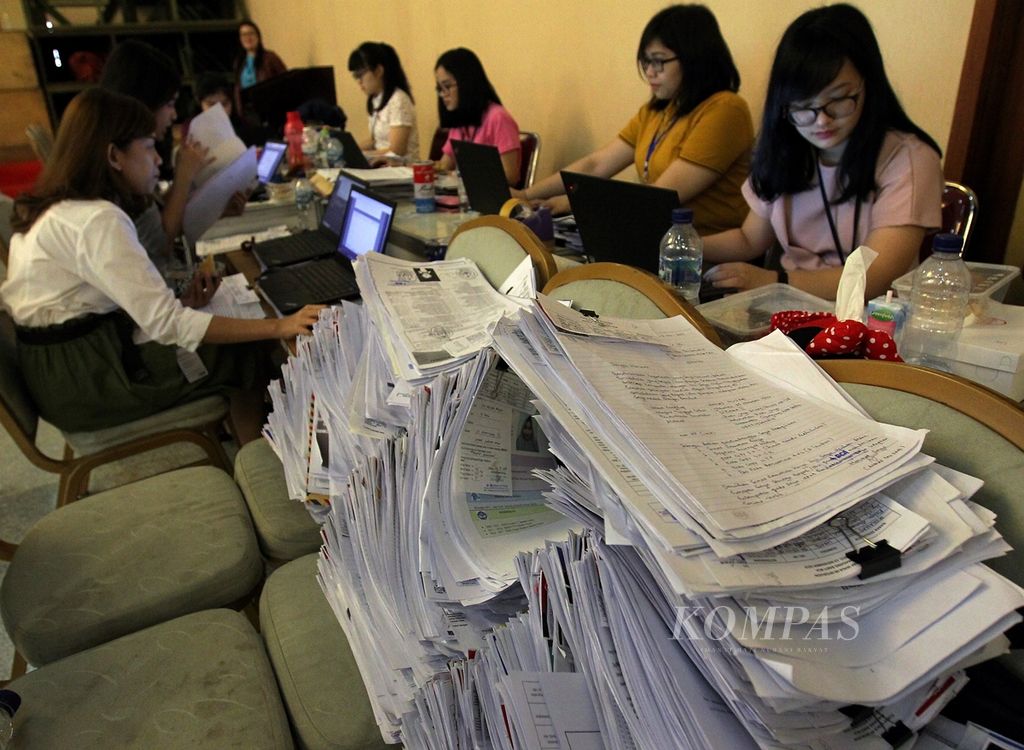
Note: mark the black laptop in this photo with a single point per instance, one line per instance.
(482, 175)
(620, 222)
(316, 243)
(365, 229)
(352, 154)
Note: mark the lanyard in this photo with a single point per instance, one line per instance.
(831, 221)
(658, 136)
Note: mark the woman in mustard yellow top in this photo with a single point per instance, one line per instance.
(693, 136)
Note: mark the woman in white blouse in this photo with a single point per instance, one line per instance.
(389, 104)
(101, 338)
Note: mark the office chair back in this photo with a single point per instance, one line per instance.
(498, 244)
(529, 155)
(959, 209)
(621, 291)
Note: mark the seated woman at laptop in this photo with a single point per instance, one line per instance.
(389, 104)
(470, 108)
(695, 133)
(838, 164)
(79, 284)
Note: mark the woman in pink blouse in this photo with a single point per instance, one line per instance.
(470, 108)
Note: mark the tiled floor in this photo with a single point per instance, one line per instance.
(28, 493)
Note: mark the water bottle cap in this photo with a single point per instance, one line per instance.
(9, 701)
(682, 215)
(947, 242)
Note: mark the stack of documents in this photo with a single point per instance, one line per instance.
(548, 530)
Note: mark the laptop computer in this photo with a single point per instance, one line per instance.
(270, 160)
(352, 154)
(365, 229)
(620, 222)
(482, 175)
(318, 243)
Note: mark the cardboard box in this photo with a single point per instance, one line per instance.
(993, 353)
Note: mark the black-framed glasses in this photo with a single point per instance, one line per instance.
(445, 87)
(656, 64)
(842, 106)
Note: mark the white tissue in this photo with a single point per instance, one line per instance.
(850, 295)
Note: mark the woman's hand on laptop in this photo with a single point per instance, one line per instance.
(299, 323)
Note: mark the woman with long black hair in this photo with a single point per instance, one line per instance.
(389, 104)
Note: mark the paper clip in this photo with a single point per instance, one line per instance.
(874, 558)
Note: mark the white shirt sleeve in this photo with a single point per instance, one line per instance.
(110, 258)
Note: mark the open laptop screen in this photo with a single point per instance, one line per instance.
(367, 223)
(270, 159)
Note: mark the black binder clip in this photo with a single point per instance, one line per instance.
(588, 313)
(858, 714)
(874, 558)
(897, 735)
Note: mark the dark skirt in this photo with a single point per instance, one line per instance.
(90, 377)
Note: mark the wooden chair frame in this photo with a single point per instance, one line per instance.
(995, 411)
(528, 170)
(543, 261)
(645, 282)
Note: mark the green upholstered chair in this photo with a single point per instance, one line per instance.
(971, 429)
(621, 291)
(497, 245)
(201, 681)
(128, 558)
(283, 526)
(322, 690)
(196, 422)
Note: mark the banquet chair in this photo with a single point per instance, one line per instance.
(959, 210)
(971, 429)
(621, 291)
(196, 422)
(200, 681)
(497, 245)
(529, 156)
(284, 528)
(317, 674)
(128, 558)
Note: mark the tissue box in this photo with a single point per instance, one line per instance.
(989, 280)
(993, 355)
(746, 316)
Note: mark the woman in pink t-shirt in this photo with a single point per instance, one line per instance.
(469, 107)
(838, 164)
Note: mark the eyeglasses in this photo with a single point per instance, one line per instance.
(357, 74)
(842, 106)
(656, 64)
(445, 87)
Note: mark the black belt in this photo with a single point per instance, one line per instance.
(76, 328)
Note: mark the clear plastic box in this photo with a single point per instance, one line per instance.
(747, 315)
(990, 280)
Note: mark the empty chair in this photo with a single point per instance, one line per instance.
(529, 155)
(959, 209)
(196, 422)
(971, 429)
(498, 245)
(621, 291)
(320, 683)
(200, 681)
(283, 526)
(126, 559)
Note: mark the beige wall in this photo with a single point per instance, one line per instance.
(566, 69)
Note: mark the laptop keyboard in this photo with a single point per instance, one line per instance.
(327, 281)
(298, 247)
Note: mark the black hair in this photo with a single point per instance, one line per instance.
(208, 84)
(258, 57)
(142, 72)
(692, 33)
(368, 56)
(476, 93)
(809, 57)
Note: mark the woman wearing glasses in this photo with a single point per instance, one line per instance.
(693, 135)
(378, 71)
(469, 107)
(838, 164)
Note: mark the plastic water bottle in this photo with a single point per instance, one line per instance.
(682, 253)
(938, 305)
(9, 703)
(305, 204)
